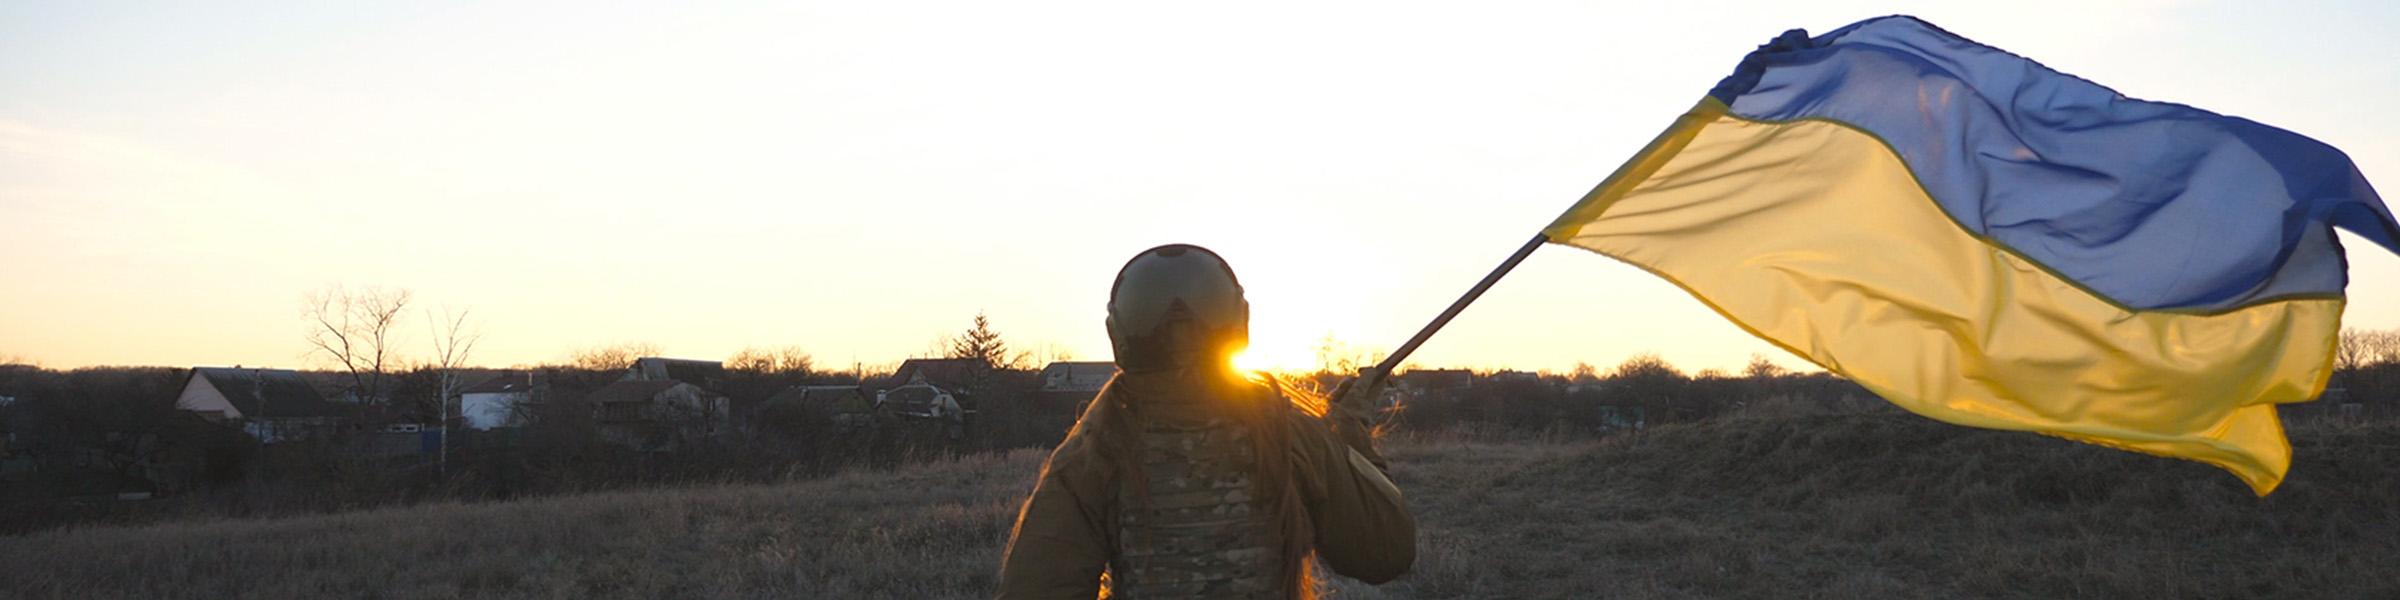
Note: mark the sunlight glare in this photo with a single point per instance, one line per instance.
(1260, 360)
(1246, 361)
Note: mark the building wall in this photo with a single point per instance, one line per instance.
(202, 397)
(663, 421)
(690, 402)
(488, 411)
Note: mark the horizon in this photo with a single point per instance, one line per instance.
(859, 181)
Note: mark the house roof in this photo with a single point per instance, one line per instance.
(1064, 376)
(507, 382)
(1516, 376)
(915, 400)
(267, 393)
(794, 394)
(635, 390)
(702, 373)
(1438, 379)
(949, 373)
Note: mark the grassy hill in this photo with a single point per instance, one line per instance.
(1848, 505)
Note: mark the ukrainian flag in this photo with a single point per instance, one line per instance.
(1985, 241)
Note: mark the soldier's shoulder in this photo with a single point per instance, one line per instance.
(1080, 463)
(1274, 389)
(1086, 444)
(1302, 408)
(1261, 383)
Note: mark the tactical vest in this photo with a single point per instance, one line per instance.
(1203, 533)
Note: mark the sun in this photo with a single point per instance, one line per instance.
(1265, 360)
(1246, 361)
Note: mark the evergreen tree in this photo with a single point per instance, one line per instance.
(983, 343)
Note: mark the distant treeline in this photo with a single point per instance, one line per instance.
(107, 444)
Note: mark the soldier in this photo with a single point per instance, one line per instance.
(1185, 479)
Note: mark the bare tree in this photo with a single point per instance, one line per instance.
(1049, 353)
(1645, 365)
(2383, 347)
(357, 329)
(1341, 359)
(753, 374)
(616, 357)
(1762, 368)
(1584, 372)
(1648, 381)
(2379, 363)
(2352, 349)
(787, 360)
(453, 340)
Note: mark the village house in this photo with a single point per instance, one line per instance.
(505, 400)
(1433, 384)
(657, 415)
(1077, 376)
(961, 374)
(964, 380)
(921, 405)
(1517, 377)
(1426, 380)
(1068, 386)
(707, 374)
(272, 405)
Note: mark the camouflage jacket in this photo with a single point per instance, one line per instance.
(1068, 531)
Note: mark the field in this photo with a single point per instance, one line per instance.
(1753, 506)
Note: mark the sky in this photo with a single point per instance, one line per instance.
(859, 179)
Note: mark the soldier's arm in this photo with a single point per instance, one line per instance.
(1059, 546)
(1363, 528)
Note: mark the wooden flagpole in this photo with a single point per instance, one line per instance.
(1393, 361)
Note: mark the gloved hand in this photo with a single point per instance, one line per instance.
(1359, 395)
(1351, 413)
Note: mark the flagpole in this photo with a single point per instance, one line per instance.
(1393, 361)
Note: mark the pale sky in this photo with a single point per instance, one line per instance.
(860, 178)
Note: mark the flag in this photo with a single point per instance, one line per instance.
(1985, 241)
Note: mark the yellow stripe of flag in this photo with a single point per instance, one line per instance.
(1815, 236)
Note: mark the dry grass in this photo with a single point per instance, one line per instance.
(1763, 507)
(1858, 505)
(931, 531)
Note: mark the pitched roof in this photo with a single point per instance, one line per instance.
(507, 382)
(267, 393)
(630, 391)
(1438, 379)
(702, 373)
(1064, 376)
(794, 393)
(950, 373)
(1516, 376)
(916, 400)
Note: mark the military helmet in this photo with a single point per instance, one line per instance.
(1176, 306)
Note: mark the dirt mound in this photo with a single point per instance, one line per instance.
(1896, 505)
